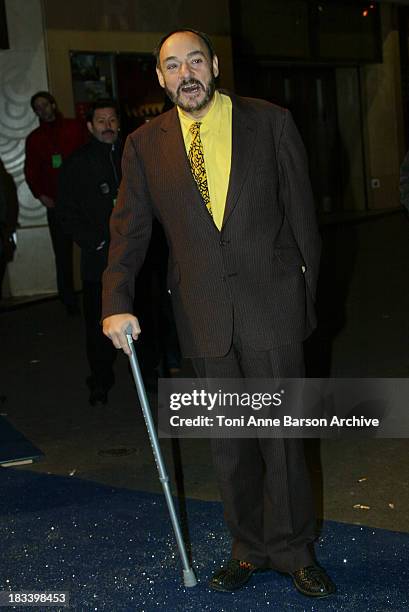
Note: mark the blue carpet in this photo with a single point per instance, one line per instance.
(113, 550)
(14, 446)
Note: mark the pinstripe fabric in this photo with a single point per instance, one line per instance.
(254, 264)
(248, 277)
(264, 483)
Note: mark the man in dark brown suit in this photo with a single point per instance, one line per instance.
(242, 280)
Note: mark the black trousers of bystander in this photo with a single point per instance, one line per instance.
(100, 351)
(63, 252)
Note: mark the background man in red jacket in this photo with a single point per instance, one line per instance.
(46, 148)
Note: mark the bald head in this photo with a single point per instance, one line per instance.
(187, 71)
(204, 37)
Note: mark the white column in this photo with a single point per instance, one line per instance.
(23, 72)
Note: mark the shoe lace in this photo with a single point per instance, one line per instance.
(312, 573)
(246, 565)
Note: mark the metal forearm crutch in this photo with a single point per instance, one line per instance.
(189, 578)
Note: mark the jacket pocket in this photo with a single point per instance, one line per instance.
(290, 257)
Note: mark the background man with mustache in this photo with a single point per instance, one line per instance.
(87, 191)
(227, 177)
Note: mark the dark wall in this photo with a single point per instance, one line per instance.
(344, 31)
(4, 38)
(138, 15)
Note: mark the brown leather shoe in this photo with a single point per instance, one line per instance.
(313, 581)
(232, 576)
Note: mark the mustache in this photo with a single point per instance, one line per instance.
(190, 82)
(108, 132)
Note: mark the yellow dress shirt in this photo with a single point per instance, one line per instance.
(216, 137)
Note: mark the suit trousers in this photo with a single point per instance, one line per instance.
(264, 482)
(101, 352)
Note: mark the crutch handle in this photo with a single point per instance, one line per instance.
(128, 331)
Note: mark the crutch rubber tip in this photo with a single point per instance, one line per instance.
(189, 578)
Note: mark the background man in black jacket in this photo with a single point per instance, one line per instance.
(87, 191)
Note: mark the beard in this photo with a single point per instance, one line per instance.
(196, 105)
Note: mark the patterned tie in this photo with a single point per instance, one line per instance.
(197, 164)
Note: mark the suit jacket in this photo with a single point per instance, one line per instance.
(87, 187)
(260, 269)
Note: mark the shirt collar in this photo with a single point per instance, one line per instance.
(210, 122)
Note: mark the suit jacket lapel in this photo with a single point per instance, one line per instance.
(177, 164)
(243, 141)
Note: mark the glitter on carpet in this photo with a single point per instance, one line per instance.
(114, 551)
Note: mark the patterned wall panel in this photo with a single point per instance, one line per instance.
(22, 72)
